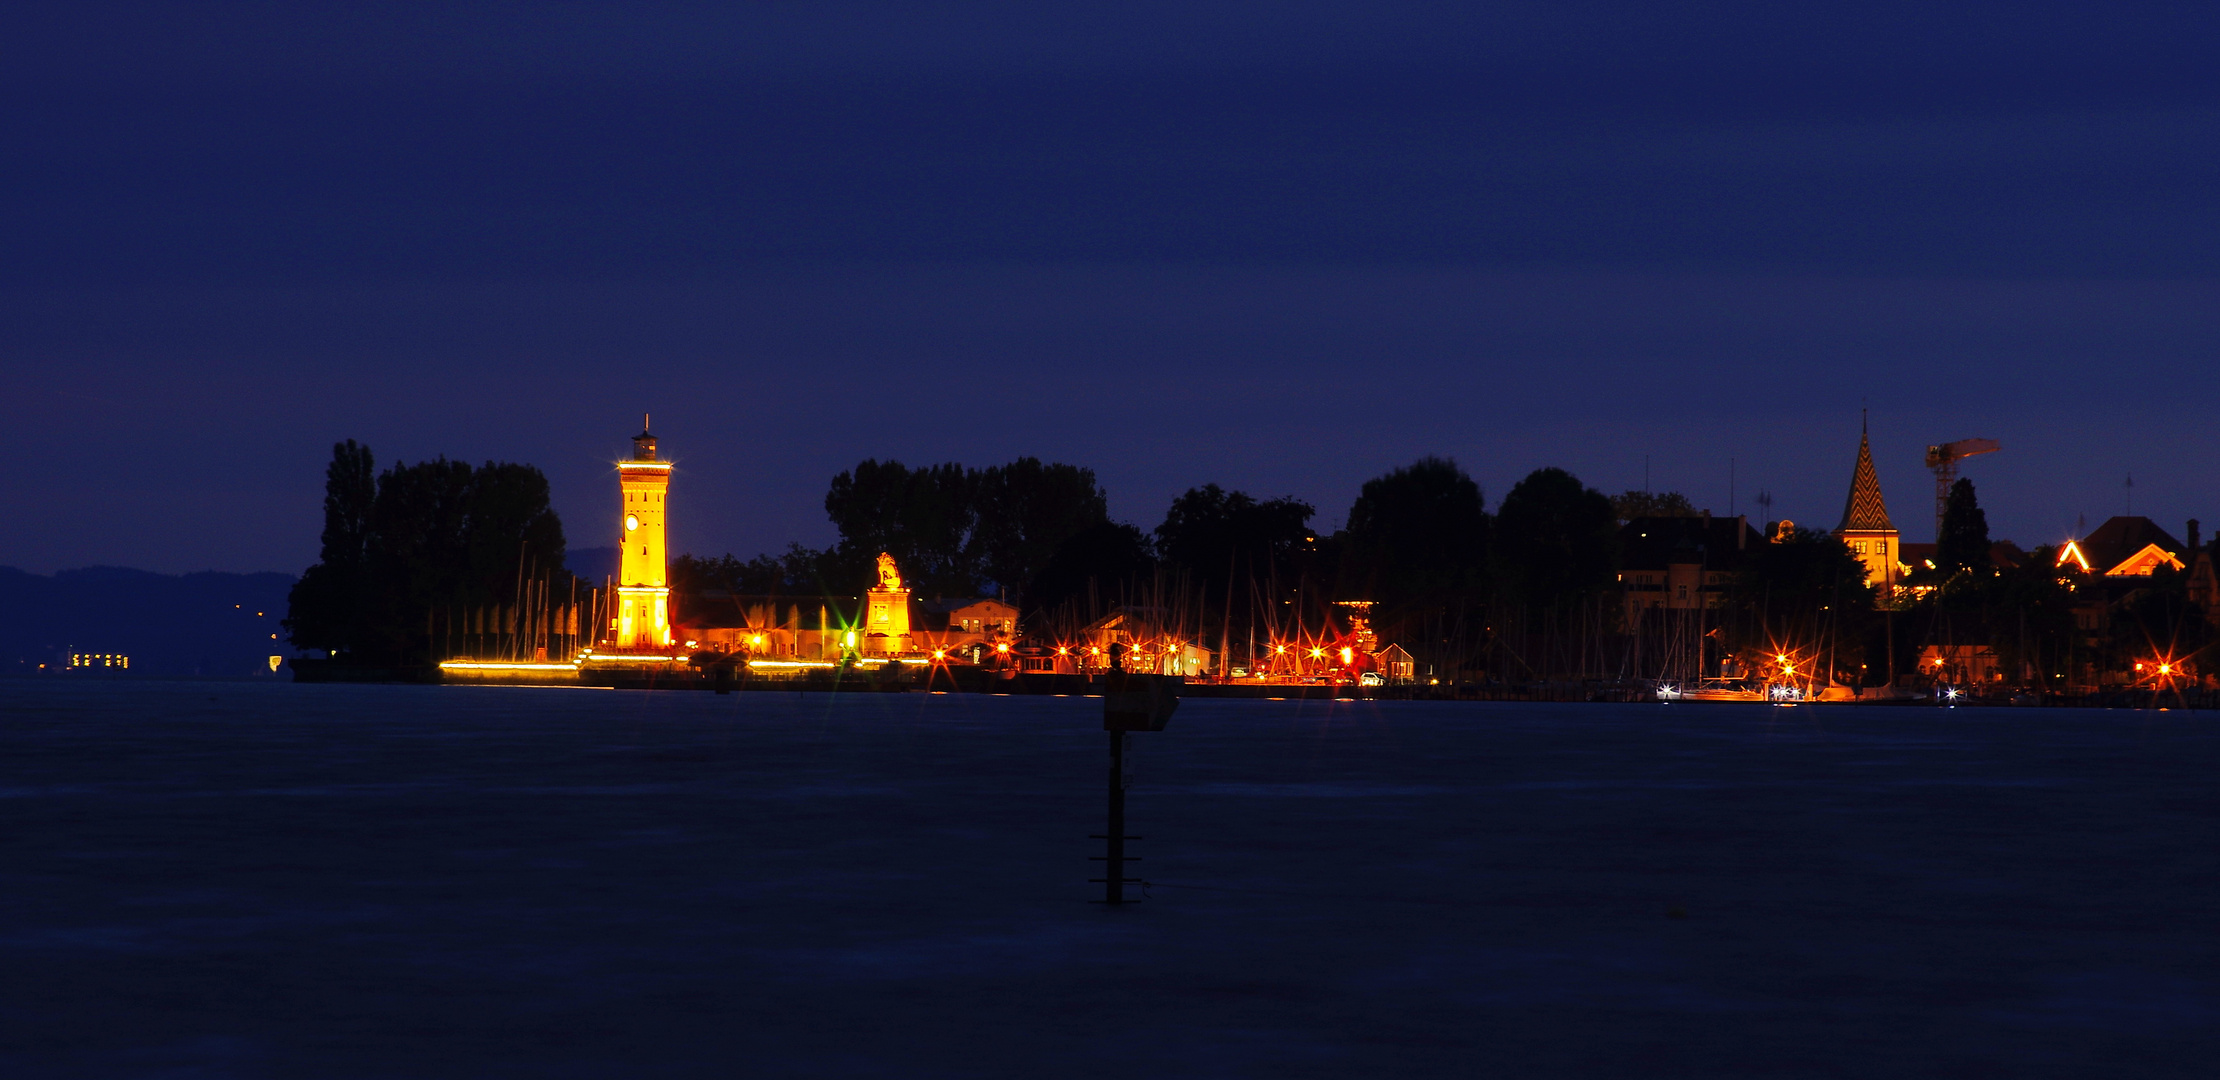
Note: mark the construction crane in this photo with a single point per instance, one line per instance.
(1944, 460)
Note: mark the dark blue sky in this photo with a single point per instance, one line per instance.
(1283, 247)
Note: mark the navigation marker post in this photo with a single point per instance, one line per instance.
(1130, 703)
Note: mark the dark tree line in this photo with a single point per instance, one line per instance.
(1419, 542)
(954, 531)
(958, 531)
(399, 545)
(1528, 590)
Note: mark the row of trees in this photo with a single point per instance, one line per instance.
(954, 531)
(1419, 541)
(1038, 532)
(404, 549)
(1530, 589)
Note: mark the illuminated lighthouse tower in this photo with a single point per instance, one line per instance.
(643, 616)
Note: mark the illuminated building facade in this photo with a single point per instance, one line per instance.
(1865, 525)
(2126, 547)
(886, 623)
(821, 628)
(1680, 563)
(641, 620)
(2115, 564)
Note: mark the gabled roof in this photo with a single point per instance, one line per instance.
(2120, 540)
(1863, 511)
(2146, 561)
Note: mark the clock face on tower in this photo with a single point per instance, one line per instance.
(631, 522)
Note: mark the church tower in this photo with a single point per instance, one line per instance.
(643, 615)
(1865, 523)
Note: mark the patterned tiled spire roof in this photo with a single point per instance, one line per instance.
(1864, 511)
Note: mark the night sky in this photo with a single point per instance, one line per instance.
(1279, 246)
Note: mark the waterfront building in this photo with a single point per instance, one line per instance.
(1865, 526)
(776, 628)
(2124, 547)
(1152, 636)
(1396, 664)
(968, 627)
(1961, 664)
(2118, 559)
(641, 621)
(1680, 563)
(888, 622)
(2113, 568)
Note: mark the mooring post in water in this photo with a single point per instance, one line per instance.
(1113, 882)
(1130, 703)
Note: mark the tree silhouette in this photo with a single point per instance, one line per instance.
(326, 608)
(1629, 505)
(1026, 511)
(1417, 536)
(1107, 554)
(1555, 539)
(1212, 533)
(953, 530)
(437, 535)
(1964, 543)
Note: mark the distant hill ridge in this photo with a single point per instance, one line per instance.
(208, 623)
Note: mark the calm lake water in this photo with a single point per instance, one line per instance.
(203, 879)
